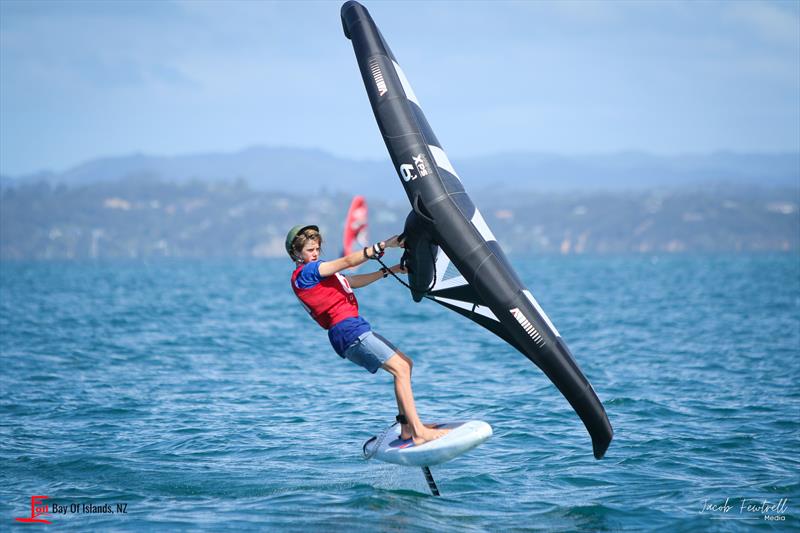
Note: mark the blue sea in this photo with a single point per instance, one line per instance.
(199, 395)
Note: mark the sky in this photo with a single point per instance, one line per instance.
(81, 80)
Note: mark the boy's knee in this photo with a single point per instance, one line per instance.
(398, 365)
(407, 359)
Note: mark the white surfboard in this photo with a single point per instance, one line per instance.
(462, 437)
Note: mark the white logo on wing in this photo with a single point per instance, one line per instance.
(377, 75)
(529, 328)
(407, 171)
(422, 166)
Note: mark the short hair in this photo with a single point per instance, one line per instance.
(308, 234)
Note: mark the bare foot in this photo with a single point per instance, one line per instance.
(405, 431)
(429, 435)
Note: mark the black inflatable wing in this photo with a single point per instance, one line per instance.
(454, 257)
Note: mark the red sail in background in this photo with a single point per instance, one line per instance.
(355, 226)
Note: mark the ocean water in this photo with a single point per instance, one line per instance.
(200, 396)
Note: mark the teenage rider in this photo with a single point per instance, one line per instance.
(328, 296)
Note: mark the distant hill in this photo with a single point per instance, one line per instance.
(240, 204)
(262, 168)
(293, 169)
(143, 217)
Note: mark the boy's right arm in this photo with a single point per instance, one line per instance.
(329, 268)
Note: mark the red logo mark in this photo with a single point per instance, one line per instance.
(37, 509)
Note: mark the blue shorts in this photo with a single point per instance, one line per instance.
(370, 351)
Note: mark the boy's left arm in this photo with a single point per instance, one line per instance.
(362, 280)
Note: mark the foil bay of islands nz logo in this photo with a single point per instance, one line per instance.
(39, 510)
(419, 168)
(42, 510)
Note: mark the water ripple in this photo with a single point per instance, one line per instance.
(200, 394)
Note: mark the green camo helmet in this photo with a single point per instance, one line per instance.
(293, 233)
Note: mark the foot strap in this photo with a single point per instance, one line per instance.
(401, 419)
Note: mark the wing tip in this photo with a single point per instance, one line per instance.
(345, 8)
(601, 443)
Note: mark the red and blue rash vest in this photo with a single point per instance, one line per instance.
(331, 302)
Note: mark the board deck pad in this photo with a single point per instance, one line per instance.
(463, 436)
